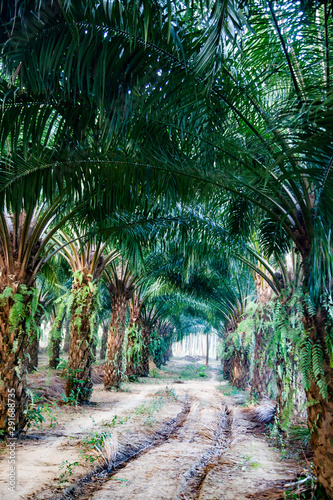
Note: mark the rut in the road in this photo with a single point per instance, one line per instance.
(180, 464)
(124, 455)
(193, 479)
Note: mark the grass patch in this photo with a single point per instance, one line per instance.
(299, 434)
(188, 372)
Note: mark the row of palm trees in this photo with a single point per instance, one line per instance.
(97, 108)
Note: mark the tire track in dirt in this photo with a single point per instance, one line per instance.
(127, 453)
(247, 467)
(208, 451)
(164, 472)
(193, 479)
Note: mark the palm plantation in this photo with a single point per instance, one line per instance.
(211, 190)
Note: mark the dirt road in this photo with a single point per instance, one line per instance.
(213, 455)
(164, 441)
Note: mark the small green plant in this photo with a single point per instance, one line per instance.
(79, 392)
(38, 413)
(35, 417)
(150, 421)
(153, 373)
(96, 440)
(299, 434)
(70, 400)
(168, 393)
(68, 469)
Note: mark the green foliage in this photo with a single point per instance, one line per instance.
(134, 349)
(68, 470)
(118, 420)
(157, 347)
(79, 391)
(95, 440)
(37, 413)
(189, 372)
(153, 373)
(22, 308)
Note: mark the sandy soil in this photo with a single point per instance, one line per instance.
(212, 454)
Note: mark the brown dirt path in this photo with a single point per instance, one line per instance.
(40, 456)
(212, 455)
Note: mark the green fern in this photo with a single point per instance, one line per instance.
(318, 369)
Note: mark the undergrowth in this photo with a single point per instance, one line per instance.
(189, 372)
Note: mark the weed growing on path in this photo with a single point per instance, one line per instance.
(68, 469)
(37, 413)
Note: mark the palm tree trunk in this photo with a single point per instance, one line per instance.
(33, 343)
(79, 384)
(240, 370)
(130, 366)
(132, 361)
(104, 342)
(113, 366)
(167, 354)
(143, 367)
(207, 349)
(226, 368)
(262, 373)
(55, 342)
(13, 348)
(32, 351)
(320, 409)
(67, 338)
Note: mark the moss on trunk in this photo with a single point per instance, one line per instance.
(79, 384)
(113, 366)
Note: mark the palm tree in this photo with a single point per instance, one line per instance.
(88, 261)
(253, 128)
(143, 315)
(24, 247)
(134, 349)
(44, 296)
(121, 282)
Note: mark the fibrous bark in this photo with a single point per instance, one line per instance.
(14, 339)
(67, 338)
(33, 343)
(133, 325)
(143, 367)
(55, 342)
(240, 370)
(79, 384)
(320, 409)
(32, 352)
(104, 342)
(113, 366)
(262, 373)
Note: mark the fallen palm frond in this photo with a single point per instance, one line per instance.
(97, 374)
(261, 415)
(108, 452)
(46, 385)
(301, 487)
